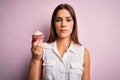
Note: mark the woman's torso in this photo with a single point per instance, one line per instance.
(68, 67)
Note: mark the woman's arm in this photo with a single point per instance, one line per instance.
(86, 65)
(35, 70)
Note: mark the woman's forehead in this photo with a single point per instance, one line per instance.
(63, 13)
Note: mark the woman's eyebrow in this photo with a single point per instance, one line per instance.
(69, 17)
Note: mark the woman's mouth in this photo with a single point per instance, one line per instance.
(63, 30)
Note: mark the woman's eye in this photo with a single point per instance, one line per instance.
(68, 20)
(57, 20)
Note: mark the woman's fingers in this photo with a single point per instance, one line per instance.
(40, 43)
(37, 46)
(35, 43)
(37, 52)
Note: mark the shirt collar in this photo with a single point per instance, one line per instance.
(72, 47)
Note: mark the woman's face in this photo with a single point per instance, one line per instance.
(64, 23)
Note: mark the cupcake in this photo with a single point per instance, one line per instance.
(37, 36)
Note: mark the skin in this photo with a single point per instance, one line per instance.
(64, 26)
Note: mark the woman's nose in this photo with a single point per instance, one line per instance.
(63, 23)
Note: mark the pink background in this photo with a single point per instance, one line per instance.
(99, 31)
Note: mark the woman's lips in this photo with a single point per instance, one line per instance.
(63, 30)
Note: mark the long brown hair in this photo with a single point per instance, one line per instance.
(53, 35)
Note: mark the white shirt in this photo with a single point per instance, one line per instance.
(68, 67)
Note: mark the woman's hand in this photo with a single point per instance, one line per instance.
(37, 49)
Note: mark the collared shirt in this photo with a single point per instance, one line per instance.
(68, 67)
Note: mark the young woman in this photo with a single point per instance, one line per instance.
(62, 57)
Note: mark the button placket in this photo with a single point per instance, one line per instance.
(62, 72)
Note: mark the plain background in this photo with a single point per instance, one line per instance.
(98, 28)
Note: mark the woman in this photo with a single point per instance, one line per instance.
(62, 57)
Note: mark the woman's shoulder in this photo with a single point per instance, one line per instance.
(82, 48)
(77, 46)
(86, 50)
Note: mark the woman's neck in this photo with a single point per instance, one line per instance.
(63, 45)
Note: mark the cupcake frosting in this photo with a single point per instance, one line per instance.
(38, 33)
